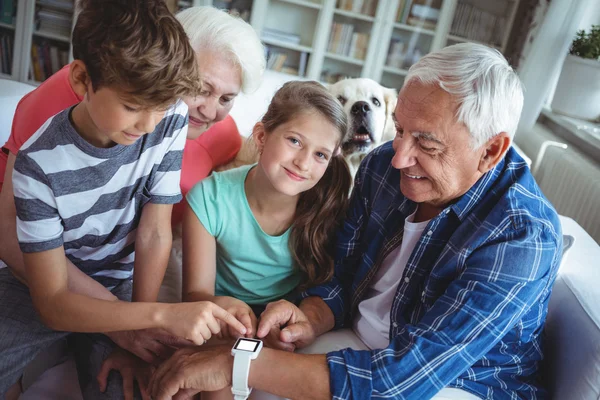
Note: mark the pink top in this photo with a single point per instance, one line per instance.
(216, 146)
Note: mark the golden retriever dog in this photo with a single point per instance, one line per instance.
(369, 107)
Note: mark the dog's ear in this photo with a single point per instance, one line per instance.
(390, 96)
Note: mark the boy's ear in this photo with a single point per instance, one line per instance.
(259, 135)
(78, 77)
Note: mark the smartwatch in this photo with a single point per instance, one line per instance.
(244, 350)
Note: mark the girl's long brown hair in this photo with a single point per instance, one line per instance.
(321, 209)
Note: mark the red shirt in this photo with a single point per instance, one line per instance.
(217, 146)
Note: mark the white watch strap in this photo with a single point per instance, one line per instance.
(241, 369)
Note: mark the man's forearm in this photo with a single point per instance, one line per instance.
(319, 314)
(291, 375)
(151, 258)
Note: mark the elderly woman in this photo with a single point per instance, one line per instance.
(231, 59)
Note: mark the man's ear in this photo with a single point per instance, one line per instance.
(390, 97)
(79, 78)
(259, 135)
(494, 151)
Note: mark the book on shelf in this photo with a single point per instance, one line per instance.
(334, 76)
(476, 24)
(6, 54)
(302, 63)
(366, 7)
(401, 55)
(281, 36)
(7, 11)
(62, 5)
(424, 13)
(403, 10)
(421, 23)
(52, 21)
(426, 9)
(289, 70)
(344, 41)
(241, 8)
(275, 59)
(46, 60)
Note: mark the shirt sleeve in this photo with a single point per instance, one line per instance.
(165, 188)
(501, 282)
(39, 227)
(336, 293)
(222, 141)
(203, 200)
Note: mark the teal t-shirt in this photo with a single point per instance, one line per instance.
(251, 266)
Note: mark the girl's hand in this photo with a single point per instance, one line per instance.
(130, 367)
(199, 321)
(240, 310)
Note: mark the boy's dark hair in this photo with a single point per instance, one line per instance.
(320, 210)
(137, 47)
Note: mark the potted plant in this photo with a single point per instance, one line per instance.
(578, 89)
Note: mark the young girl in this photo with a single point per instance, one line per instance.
(260, 233)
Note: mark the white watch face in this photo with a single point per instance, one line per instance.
(247, 345)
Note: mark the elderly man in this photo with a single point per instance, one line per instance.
(444, 265)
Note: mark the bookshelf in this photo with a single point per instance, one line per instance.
(9, 39)
(46, 40)
(324, 40)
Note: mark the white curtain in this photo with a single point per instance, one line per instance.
(541, 68)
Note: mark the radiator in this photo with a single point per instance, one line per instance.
(571, 181)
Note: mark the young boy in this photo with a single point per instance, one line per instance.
(96, 184)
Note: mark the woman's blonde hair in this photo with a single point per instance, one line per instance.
(213, 30)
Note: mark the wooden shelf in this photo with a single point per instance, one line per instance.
(303, 3)
(53, 36)
(286, 45)
(346, 59)
(417, 29)
(465, 40)
(355, 15)
(395, 71)
(7, 26)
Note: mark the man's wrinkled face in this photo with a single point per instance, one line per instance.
(433, 150)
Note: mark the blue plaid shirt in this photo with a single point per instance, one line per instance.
(471, 305)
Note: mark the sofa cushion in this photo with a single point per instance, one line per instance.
(572, 332)
(10, 94)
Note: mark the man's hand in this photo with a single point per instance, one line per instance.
(148, 344)
(297, 330)
(198, 321)
(241, 311)
(192, 370)
(130, 367)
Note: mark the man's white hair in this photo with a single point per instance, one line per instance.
(488, 90)
(213, 30)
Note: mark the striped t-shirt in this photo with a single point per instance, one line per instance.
(89, 199)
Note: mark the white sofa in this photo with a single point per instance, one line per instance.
(572, 369)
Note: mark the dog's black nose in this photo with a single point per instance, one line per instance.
(360, 107)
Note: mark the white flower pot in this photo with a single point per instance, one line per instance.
(578, 89)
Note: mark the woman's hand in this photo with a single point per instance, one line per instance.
(198, 321)
(241, 311)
